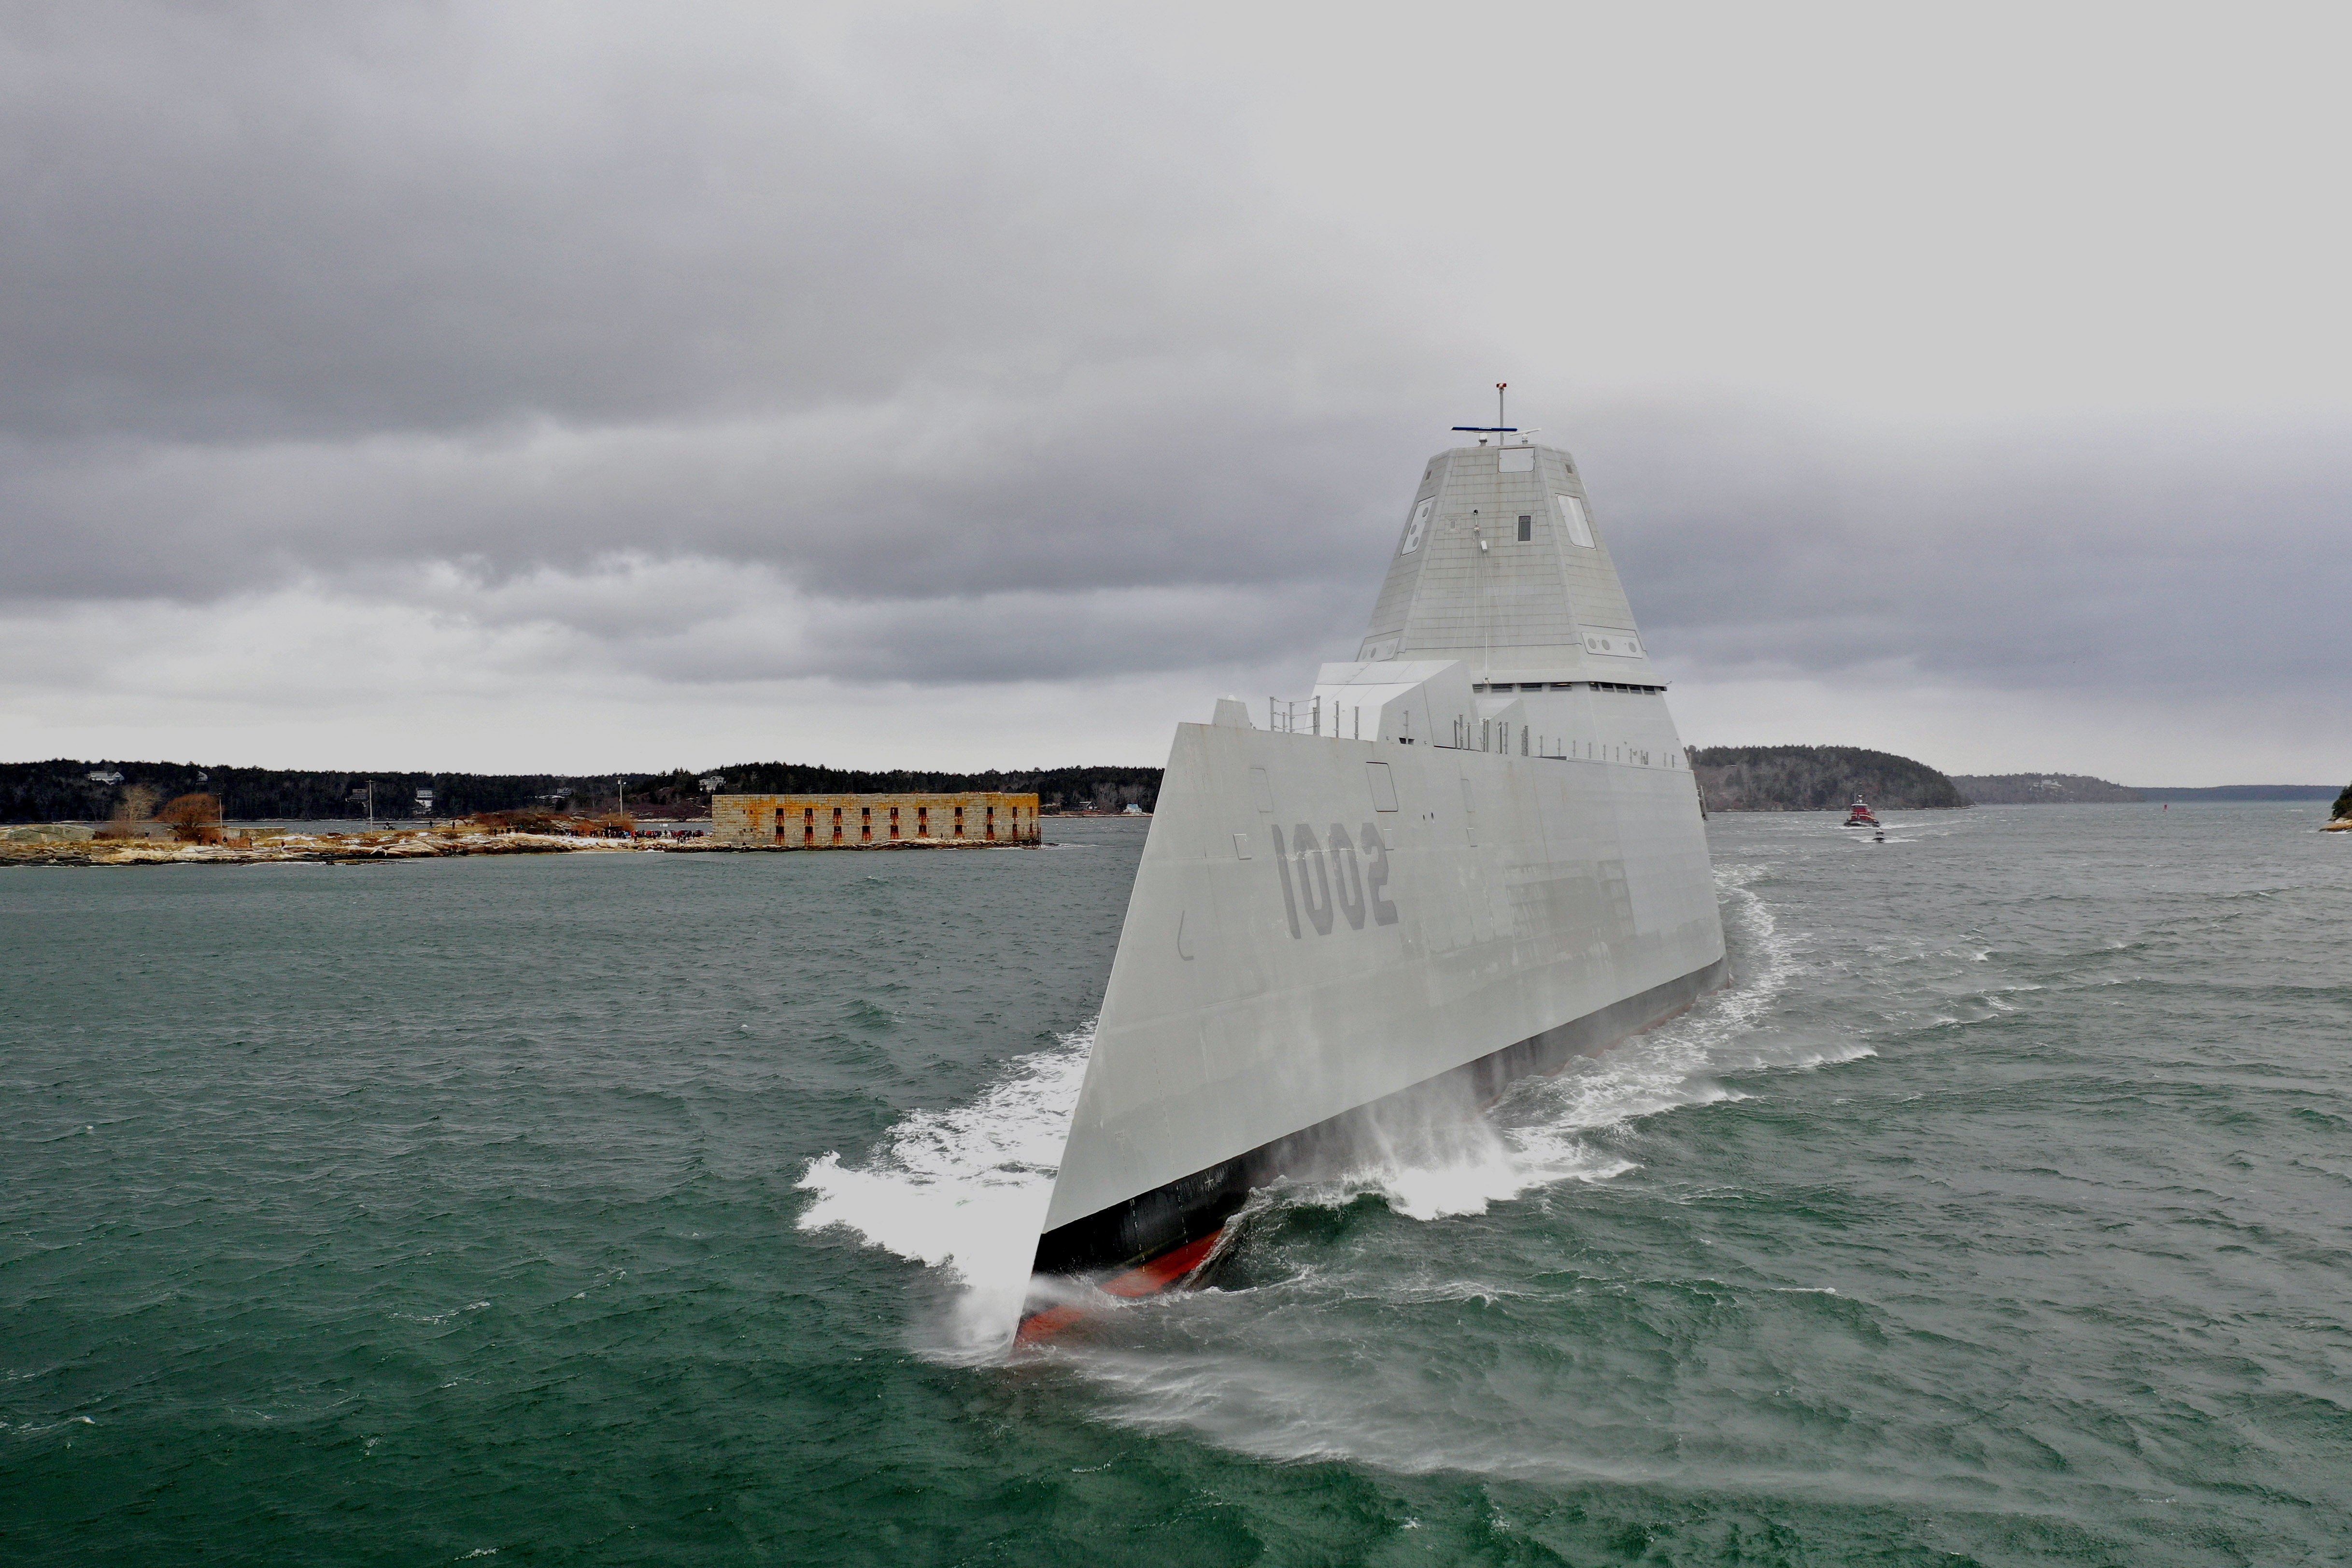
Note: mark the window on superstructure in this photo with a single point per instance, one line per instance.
(1526, 527)
(1571, 513)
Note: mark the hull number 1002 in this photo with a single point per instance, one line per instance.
(1334, 888)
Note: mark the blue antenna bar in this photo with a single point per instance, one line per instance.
(1491, 429)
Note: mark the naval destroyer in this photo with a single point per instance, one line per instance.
(1472, 853)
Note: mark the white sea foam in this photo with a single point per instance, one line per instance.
(1272, 1401)
(1538, 1135)
(1443, 1166)
(442, 1317)
(965, 1189)
(1516, 1163)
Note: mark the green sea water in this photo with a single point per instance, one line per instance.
(668, 1210)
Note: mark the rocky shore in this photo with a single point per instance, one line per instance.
(355, 849)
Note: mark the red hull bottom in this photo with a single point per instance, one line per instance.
(1145, 1280)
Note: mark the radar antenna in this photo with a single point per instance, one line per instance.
(1498, 427)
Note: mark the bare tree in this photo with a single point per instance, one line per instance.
(193, 819)
(133, 806)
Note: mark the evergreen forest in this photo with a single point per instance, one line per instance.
(1817, 779)
(63, 790)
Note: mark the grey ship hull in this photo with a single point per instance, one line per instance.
(1195, 1208)
(1300, 966)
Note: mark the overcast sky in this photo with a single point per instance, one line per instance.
(575, 386)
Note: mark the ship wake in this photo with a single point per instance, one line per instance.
(964, 1190)
(1544, 1130)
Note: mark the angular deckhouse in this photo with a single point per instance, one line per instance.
(1471, 854)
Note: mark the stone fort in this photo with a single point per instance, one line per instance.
(873, 821)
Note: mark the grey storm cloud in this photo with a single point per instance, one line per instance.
(926, 313)
(2164, 555)
(270, 221)
(914, 346)
(1181, 493)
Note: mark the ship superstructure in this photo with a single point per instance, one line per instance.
(1471, 854)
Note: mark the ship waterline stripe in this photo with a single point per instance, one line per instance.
(1194, 1209)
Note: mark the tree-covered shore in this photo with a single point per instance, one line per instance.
(1818, 778)
(66, 790)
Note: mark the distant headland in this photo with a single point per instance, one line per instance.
(1818, 778)
(1827, 778)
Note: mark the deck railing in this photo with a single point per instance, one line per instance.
(1313, 715)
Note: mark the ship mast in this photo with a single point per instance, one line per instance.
(1501, 426)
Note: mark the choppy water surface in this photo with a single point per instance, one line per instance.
(652, 1209)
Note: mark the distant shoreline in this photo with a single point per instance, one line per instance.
(2082, 789)
(1714, 810)
(386, 847)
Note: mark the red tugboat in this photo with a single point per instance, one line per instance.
(1859, 817)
